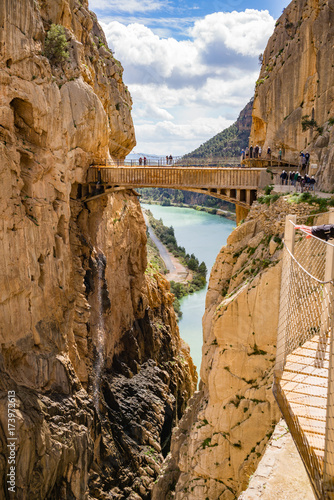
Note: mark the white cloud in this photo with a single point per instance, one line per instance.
(180, 87)
(130, 6)
(244, 33)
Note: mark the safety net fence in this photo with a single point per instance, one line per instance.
(304, 371)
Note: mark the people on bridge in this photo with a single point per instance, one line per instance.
(243, 154)
(307, 157)
(170, 160)
(260, 151)
(256, 151)
(251, 151)
(284, 177)
(145, 160)
(247, 152)
(269, 152)
(280, 155)
(292, 178)
(140, 161)
(324, 232)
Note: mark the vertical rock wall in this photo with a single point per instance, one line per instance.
(295, 87)
(70, 270)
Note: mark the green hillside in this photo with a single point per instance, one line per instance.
(230, 141)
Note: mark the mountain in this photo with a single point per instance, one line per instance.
(230, 141)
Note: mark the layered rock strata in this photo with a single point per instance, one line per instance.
(224, 432)
(294, 97)
(89, 343)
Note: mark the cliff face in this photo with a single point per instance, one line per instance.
(89, 343)
(219, 441)
(294, 104)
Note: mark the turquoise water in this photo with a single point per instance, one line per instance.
(202, 234)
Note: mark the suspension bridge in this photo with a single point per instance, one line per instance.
(236, 184)
(304, 369)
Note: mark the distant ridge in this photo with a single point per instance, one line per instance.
(230, 141)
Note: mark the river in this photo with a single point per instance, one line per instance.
(203, 235)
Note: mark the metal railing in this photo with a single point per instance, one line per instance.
(163, 161)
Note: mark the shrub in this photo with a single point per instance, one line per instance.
(306, 123)
(56, 46)
(268, 189)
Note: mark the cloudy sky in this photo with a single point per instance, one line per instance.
(191, 66)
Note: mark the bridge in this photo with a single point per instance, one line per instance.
(237, 185)
(304, 369)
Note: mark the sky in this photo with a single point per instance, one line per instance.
(190, 66)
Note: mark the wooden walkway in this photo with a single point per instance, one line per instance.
(304, 370)
(302, 394)
(236, 185)
(305, 384)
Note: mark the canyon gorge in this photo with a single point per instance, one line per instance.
(89, 337)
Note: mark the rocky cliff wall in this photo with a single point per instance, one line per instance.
(221, 438)
(295, 88)
(89, 343)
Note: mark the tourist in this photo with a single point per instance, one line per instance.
(140, 161)
(269, 153)
(301, 156)
(280, 155)
(292, 178)
(260, 151)
(251, 151)
(242, 154)
(145, 160)
(167, 160)
(247, 152)
(307, 157)
(170, 160)
(324, 232)
(312, 183)
(284, 177)
(256, 151)
(303, 161)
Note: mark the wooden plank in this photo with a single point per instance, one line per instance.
(306, 361)
(308, 390)
(312, 425)
(307, 370)
(304, 379)
(315, 441)
(309, 412)
(310, 353)
(305, 399)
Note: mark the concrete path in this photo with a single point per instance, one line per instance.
(278, 188)
(280, 474)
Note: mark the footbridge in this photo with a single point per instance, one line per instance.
(237, 185)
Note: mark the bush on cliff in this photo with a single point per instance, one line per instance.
(56, 45)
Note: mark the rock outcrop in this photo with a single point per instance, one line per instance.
(224, 432)
(89, 343)
(294, 105)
